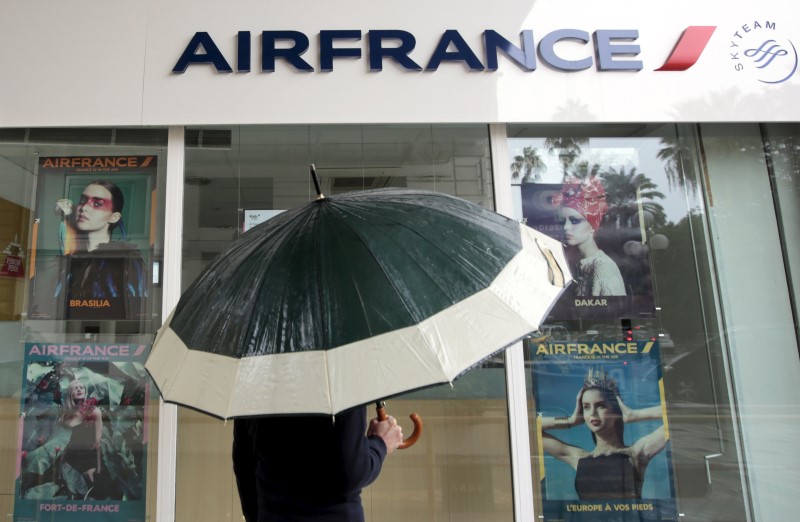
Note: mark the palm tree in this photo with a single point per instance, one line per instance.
(581, 170)
(529, 164)
(626, 192)
(569, 149)
(678, 164)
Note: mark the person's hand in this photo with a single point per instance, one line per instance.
(577, 416)
(389, 431)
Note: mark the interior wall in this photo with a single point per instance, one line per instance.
(436, 479)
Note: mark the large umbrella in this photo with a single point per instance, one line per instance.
(352, 299)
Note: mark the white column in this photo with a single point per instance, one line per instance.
(515, 362)
(173, 241)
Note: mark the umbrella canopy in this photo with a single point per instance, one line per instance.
(354, 298)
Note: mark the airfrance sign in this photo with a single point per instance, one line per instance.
(605, 49)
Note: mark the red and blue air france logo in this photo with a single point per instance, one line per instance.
(755, 47)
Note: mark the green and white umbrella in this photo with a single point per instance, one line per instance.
(352, 299)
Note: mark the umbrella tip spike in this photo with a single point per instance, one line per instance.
(313, 170)
(451, 385)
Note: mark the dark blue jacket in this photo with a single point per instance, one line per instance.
(305, 468)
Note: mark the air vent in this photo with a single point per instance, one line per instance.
(140, 137)
(81, 136)
(353, 183)
(208, 138)
(96, 136)
(340, 185)
(12, 135)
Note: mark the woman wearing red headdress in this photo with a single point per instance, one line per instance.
(582, 207)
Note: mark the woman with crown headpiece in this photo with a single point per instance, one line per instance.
(612, 469)
(582, 205)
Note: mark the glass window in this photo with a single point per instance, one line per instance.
(239, 176)
(783, 159)
(751, 194)
(629, 400)
(80, 235)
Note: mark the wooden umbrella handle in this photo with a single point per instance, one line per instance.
(411, 439)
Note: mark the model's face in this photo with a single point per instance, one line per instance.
(597, 413)
(577, 229)
(95, 209)
(78, 391)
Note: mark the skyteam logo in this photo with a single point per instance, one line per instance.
(760, 50)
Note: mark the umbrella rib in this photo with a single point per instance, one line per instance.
(416, 203)
(323, 320)
(174, 374)
(232, 392)
(424, 268)
(358, 287)
(391, 282)
(383, 271)
(437, 353)
(466, 266)
(265, 269)
(328, 381)
(318, 260)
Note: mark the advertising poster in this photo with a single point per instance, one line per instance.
(82, 436)
(603, 436)
(91, 238)
(605, 244)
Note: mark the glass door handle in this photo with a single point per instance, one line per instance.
(707, 459)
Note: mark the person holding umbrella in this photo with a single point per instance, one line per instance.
(309, 468)
(346, 300)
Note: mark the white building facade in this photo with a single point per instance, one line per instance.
(208, 114)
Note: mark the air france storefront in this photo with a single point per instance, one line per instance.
(658, 144)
